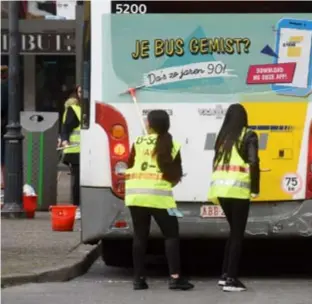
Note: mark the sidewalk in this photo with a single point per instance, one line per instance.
(32, 252)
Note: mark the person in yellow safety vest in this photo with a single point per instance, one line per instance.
(70, 136)
(154, 168)
(235, 179)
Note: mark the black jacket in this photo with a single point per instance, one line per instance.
(249, 153)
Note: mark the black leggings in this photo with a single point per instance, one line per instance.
(236, 212)
(75, 180)
(169, 226)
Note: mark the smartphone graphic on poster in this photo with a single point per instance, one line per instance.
(294, 44)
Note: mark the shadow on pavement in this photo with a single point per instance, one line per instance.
(260, 258)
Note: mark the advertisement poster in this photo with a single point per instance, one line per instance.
(196, 65)
(192, 53)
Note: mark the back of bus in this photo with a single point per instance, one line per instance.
(195, 66)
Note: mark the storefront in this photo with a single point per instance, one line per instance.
(48, 61)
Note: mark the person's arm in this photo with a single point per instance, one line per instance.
(175, 173)
(252, 158)
(131, 157)
(177, 165)
(71, 122)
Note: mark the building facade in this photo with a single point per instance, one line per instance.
(48, 51)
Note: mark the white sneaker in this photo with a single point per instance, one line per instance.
(234, 285)
(78, 214)
(222, 280)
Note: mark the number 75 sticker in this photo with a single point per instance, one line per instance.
(291, 183)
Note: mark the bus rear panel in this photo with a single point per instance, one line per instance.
(194, 66)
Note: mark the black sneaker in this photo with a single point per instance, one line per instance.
(180, 284)
(222, 280)
(140, 284)
(234, 285)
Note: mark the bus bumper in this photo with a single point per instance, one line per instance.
(104, 216)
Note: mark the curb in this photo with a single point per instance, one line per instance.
(73, 265)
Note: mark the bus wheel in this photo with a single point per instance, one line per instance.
(117, 253)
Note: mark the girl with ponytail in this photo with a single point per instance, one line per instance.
(159, 123)
(155, 154)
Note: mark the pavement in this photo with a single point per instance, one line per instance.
(114, 286)
(32, 252)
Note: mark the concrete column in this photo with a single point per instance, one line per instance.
(29, 83)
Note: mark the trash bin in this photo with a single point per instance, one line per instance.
(40, 156)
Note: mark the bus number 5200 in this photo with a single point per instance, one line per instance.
(126, 8)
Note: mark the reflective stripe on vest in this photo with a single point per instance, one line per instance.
(74, 138)
(157, 192)
(231, 180)
(144, 184)
(75, 132)
(152, 176)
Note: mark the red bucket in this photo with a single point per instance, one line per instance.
(63, 217)
(30, 205)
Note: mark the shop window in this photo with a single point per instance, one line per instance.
(55, 78)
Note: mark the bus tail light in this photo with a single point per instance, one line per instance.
(120, 168)
(121, 224)
(309, 166)
(119, 149)
(119, 187)
(116, 129)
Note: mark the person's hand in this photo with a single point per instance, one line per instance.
(65, 143)
(175, 182)
(59, 142)
(254, 195)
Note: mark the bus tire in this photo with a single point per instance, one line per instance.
(117, 253)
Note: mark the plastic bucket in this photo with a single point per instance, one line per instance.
(63, 217)
(30, 205)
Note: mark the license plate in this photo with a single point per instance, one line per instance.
(211, 211)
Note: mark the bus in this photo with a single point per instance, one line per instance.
(193, 59)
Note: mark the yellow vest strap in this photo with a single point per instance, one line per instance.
(230, 183)
(149, 176)
(74, 140)
(74, 137)
(158, 192)
(232, 168)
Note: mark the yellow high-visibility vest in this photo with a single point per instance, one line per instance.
(144, 184)
(231, 180)
(74, 138)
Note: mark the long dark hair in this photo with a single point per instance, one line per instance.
(159, 121)
(235, 121)
(73, 93)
